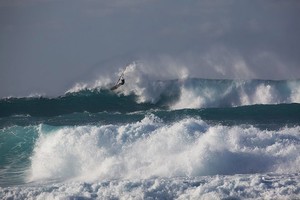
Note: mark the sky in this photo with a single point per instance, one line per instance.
(47, 46)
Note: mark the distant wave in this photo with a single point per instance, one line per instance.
(172, 94)
(82, 101)
(201, 93)
(204, 93)
(188, 92)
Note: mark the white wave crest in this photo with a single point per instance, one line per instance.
(102, 82)
(150, 148)
(184, 92)
(197, 93)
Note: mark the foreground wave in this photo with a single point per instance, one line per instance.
(143, 149)
(150, 158)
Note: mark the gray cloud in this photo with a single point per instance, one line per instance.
(46, 45)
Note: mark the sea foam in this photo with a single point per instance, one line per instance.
(151, 148)
(186, 92)
(256, 186)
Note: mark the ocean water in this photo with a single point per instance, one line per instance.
(176, 139)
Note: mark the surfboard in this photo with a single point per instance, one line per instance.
(115, 87)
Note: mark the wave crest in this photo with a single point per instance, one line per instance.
(149, 147)
(143, 91)
(202, 93)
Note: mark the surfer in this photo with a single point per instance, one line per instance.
(120, 82)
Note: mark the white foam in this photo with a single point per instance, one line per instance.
(257, 186)
(295, 90)
(185, 92)
(77, 87)
(150, 148)
(189, 98)
(194, 94)
(264, 94)
(101, 82)
(141, 84)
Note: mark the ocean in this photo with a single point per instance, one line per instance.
(167, 139)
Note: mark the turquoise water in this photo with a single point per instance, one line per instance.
(222, 127)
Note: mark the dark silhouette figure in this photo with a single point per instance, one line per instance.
(121, 82)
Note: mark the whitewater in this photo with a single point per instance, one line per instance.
(186, 138)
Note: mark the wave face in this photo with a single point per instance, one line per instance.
(176, 139)
(83, 101)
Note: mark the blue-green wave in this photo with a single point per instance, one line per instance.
(254, 114)
(84, 101)
(164, 95)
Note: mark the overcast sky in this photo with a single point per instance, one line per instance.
(46, 46)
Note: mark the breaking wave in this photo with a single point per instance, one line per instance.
(173, 94)
(200, 93)
(152, 148)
